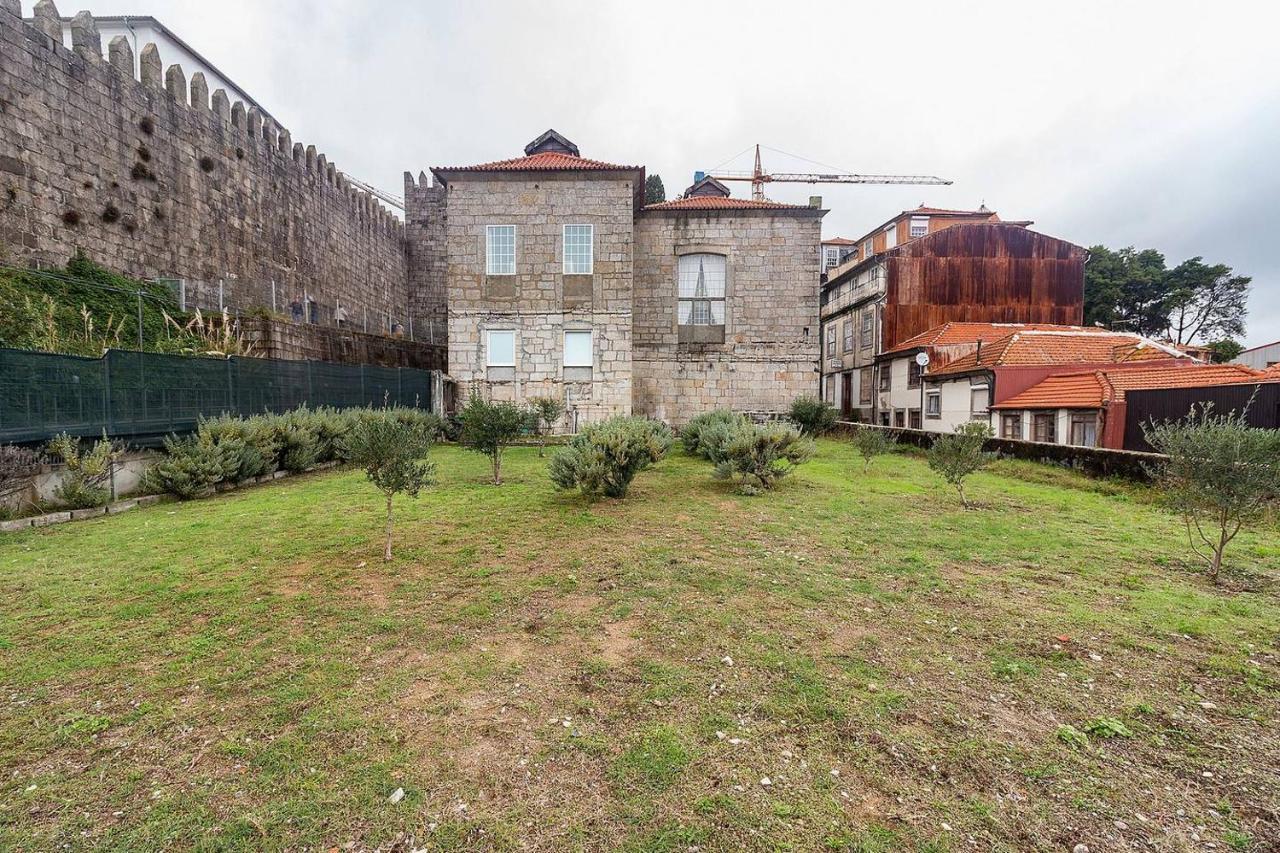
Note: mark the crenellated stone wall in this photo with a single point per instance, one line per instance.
(159, 178)
(769, 355)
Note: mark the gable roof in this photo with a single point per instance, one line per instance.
(716, 202)
(839, 241)
(1096, 388)
(551, 140)
(952, 334)
(545, 161)
(1060, 346)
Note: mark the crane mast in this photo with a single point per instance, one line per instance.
(759, 177)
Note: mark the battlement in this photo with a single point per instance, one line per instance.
(261, 136)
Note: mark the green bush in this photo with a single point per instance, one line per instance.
(960, 454)
(84, 484)
(813, 416)
(692, 434)
(247, 445)
(604, 458)
(297, 435)
(872, 442)
(489, 427)
(760, 455)
(190, 468)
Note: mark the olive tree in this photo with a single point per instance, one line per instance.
(760, 455)
(390, 450)
(489, 427)
(546, 411)
(957, 455)
(1220, 474)
(872, 442)
(605, 457)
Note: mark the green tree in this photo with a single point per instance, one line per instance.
(605, 457)
(1126, 290)
(1225, 350)
(1220, 474)
(873, 441)
(960, 454)
(389, 450)
(489, 427)
(761, 455)
(546, 411)
(654, 191)
(1205, 302)
(813, 416)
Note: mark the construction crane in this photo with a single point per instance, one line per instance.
(393, 200)
(759, 177)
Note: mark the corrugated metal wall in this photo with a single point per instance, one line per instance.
(1168, 404)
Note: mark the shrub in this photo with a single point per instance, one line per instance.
(87, 473)
(189, 469)
(960, 454)
(1220, 475)
(604, 458)
(545, 410)
(296, 434)
(248, 447)
(691, 435)
(872, 442)
(489, 427)
(18, 465)
(759, 456)
(388, 446)
(813, 416)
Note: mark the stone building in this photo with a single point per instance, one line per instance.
(558, 281)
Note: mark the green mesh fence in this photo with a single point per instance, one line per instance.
(137, 395)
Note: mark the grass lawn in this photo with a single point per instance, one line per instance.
(539, 672)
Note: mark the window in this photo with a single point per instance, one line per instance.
(868, 325)
(831, 340)
(919, 226)
(899, 418)
(864, 386)
(933, 404)
(829, 390)
(578, 255)
(848, 335)
(1011, 425)
(886, 377)
(701, 289)
(577, 349)
(500, 249)
(913, 374)
(913, 419)
(979, 400)
(868, 249)
(891, 236)
(1044, 427)
(884, 419)
(1084, 429)
(832, 257)
(501, 349)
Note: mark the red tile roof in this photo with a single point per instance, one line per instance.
(1093, 389)
(839, 241)
(950, 334)
(543, 161)
(942, 211)
(1060, 346)
(715, 202)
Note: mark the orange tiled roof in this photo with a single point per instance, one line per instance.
(942, 211)
(1095, 388)
(543, 161)
(949, 334)
(839, 241)
(1061, 346)
(716, 202)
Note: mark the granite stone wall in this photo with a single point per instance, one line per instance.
(272, 338)
(158, 178)
(539, 302)
(769, 355)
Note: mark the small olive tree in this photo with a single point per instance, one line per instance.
(489, 427)
(1220, 475)
(546, 411)
(389, 450)
(872, 442)
(604, 458)
(813, 416)
(960, 454)
(88, 471)
(760, 455)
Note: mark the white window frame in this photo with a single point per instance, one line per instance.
(868, 247)
(831, 257)
(891, 236)
(933, 403)
(490, 268)
(591, 249)
(918, 222)
(591, 343)
(985, 411)
(710, 302)
(488, 347)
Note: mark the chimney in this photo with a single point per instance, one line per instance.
(815, 201)
(979, 355)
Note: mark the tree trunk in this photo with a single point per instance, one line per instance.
(963, 500)
(386, 551)
(497, 467)
(1216, 564)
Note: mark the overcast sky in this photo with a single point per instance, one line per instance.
(1153, 124)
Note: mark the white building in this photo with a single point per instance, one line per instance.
(1260, 358)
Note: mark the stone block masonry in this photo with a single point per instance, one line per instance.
(156, 178)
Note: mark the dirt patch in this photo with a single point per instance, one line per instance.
(618, 642)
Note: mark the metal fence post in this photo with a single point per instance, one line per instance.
(231, 408)
(139, 295)
(106, 393)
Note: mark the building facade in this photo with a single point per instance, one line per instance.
(991, 272)
(559, 281)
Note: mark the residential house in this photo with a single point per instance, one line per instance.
(560, 281)
(989, 272)
(836, 251)
(1088, 408)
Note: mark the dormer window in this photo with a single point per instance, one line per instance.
(919, 226)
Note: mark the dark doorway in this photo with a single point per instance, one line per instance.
(846, 396)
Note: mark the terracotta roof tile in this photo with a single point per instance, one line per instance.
(839, 241)
(715, 202)
(544, 161)
(1060, 346)
(949, 334)
(1092, 389)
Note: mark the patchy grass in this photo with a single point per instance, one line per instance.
(539, 672)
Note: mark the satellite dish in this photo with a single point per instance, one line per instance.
(922, 359)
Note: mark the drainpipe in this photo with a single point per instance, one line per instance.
(137, 59)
